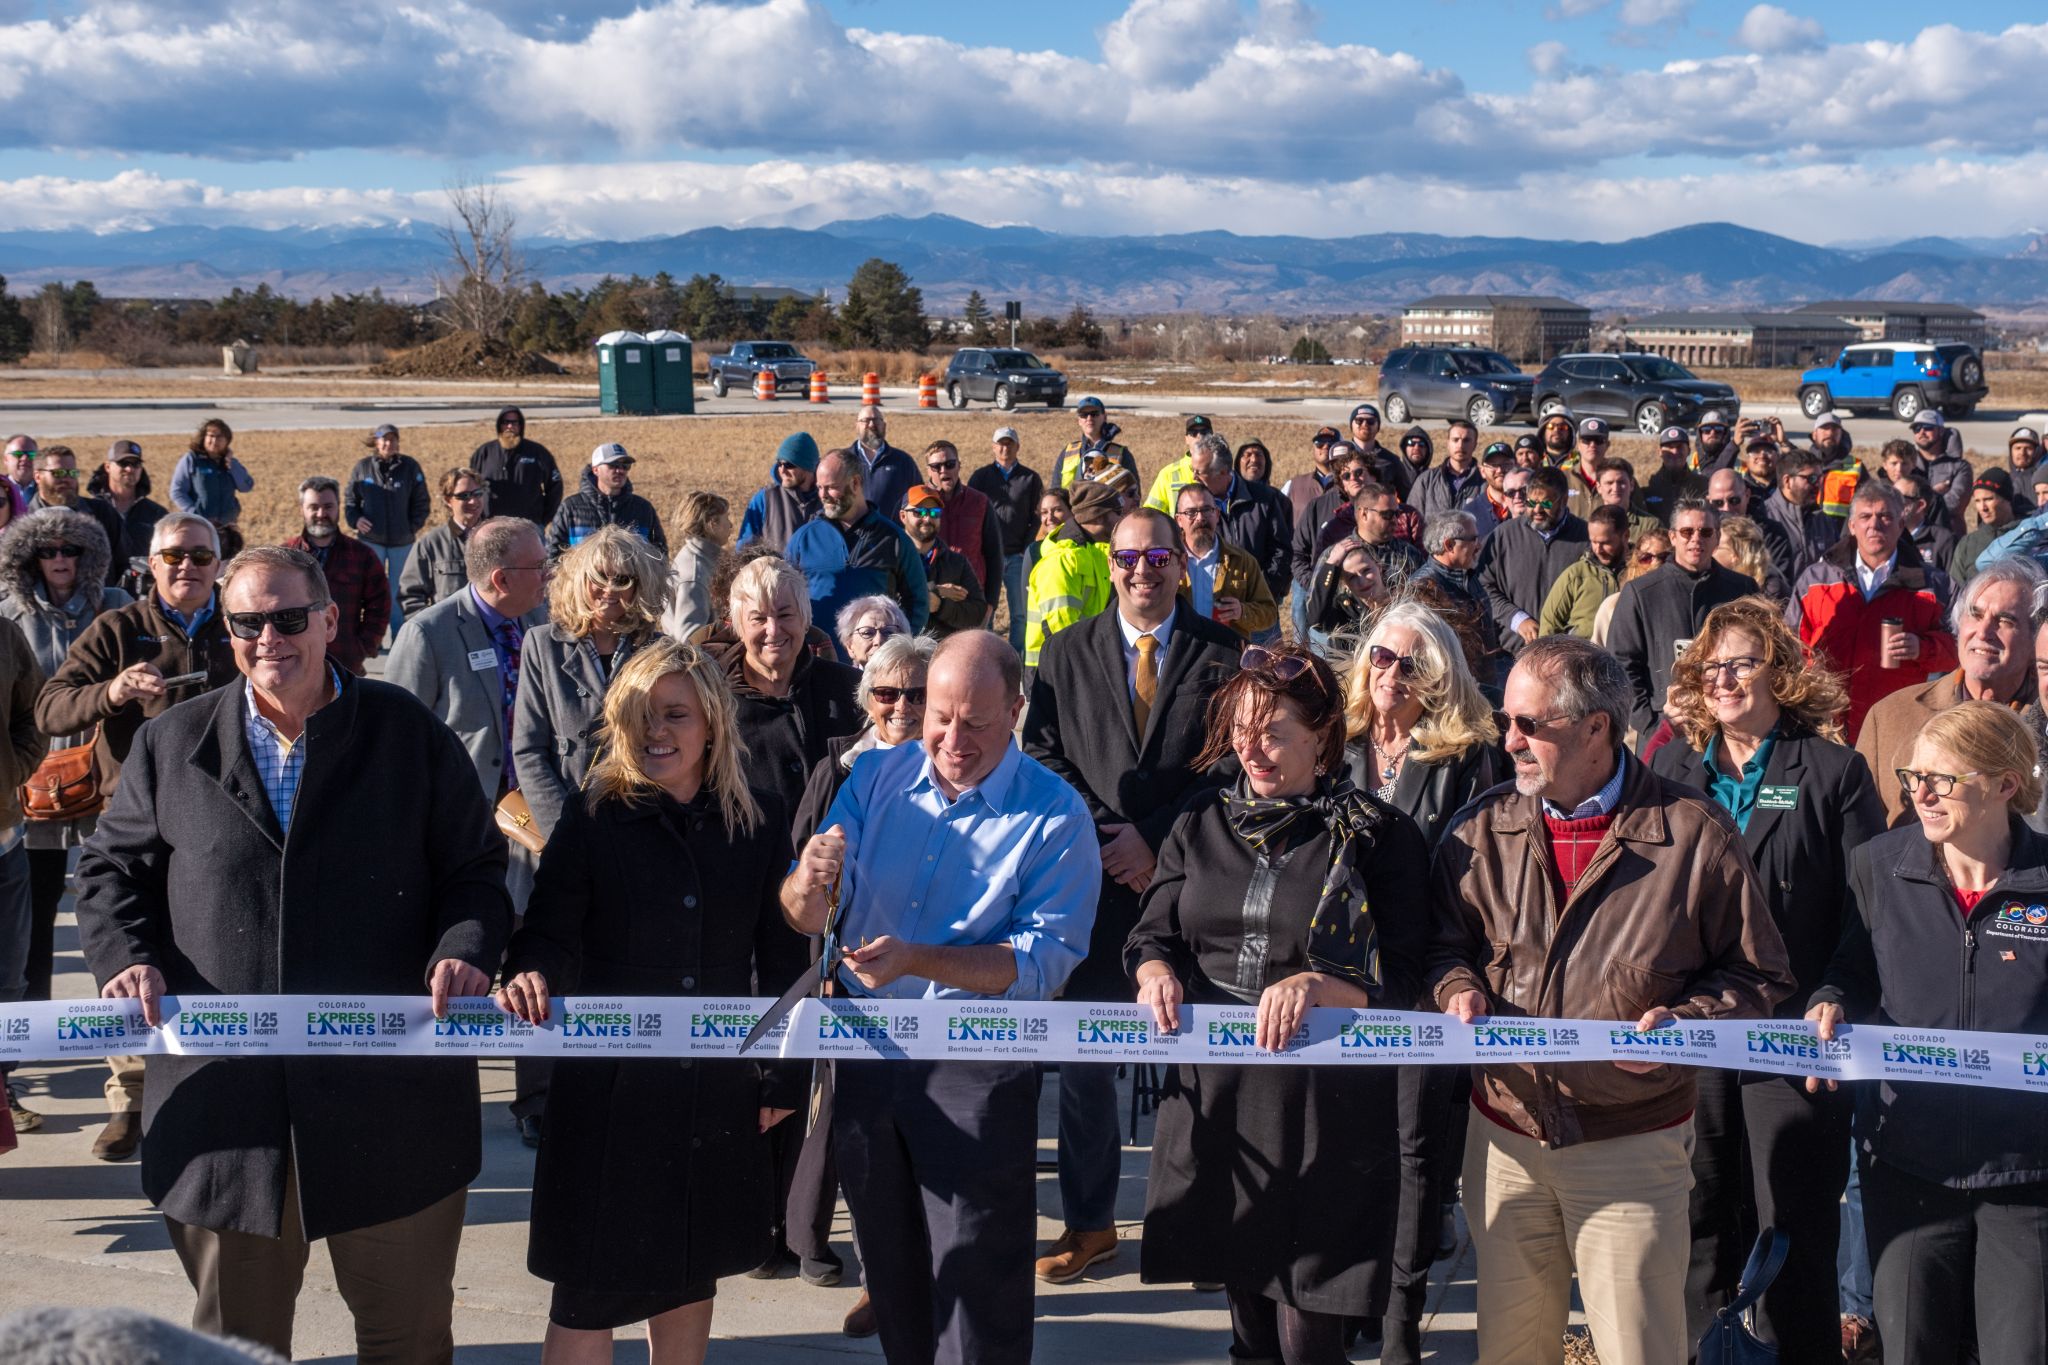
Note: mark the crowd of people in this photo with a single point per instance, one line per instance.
(1506, 733)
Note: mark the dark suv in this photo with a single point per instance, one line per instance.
(1004, 377)
(1632, 389)
(1452, 381)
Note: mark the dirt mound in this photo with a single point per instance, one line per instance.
(466, 355)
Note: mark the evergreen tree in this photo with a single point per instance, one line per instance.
(976, 315)
(883, 309)
(15, 333)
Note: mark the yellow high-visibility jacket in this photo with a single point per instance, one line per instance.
(1070, 583)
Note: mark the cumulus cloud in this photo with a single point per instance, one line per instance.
(1767, 28)
(1550, 58)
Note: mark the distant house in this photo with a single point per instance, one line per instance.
(1902, 320)
(1739, 339)
(1521, 326)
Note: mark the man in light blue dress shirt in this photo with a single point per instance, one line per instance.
(966, 870)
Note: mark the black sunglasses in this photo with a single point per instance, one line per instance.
(1530, 726)
(889, 696)
(942, 464)
(618, 582)
(174, 555)
(129, 462)
(1382, 657)
(248, 625)
(626, 463)
(48, 552)
(471, 496)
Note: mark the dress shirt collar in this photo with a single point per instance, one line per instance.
(993, 790)
(1601, 802)
(1163, 633)
(493, 618)
(1869, 579)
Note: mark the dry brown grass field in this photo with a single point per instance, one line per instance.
(729, 456)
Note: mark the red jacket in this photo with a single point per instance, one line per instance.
(1833, 618)
(968, 527)
(360, 587)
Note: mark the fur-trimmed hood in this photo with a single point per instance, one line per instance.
(53, 526)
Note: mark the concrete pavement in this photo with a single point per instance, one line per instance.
(77, 1232)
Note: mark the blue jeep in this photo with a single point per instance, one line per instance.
(1899, 377)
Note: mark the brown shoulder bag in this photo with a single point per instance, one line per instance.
(66, 784)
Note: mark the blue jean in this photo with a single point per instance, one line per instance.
(1297, 603)
(1091, 1152)
(393, 558)
(1852, 1260)
(1013, 598)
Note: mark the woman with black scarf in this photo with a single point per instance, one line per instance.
(1287, 890)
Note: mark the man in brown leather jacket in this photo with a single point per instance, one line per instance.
(1592, 889)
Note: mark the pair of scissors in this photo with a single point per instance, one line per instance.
(819, 983)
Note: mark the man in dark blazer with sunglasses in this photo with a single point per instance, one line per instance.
(302, 832)
(1118, 708)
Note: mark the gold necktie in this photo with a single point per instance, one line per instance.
(1148, 680)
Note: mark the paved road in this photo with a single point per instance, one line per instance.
(78, 1232)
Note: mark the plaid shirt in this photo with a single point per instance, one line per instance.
(280, 762)
(360, 587)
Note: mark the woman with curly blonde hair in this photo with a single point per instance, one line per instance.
(1758, 734)
(1742, 549)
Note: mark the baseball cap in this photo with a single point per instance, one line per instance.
(1997, 480)
(920, 496)
(1672, 435)
(1826, 419)
(1198, 424)
(2024, 434)
(611, 452)
(1499, 450)
(1592, 426)
(797, 448)
(1089, 496)
(1365, 410)
(1926, 418)
(1713, 417)
(1006, 434)
(381, 432)
(1326, 436)
(1090, 404)
(1528, 441)
(120, 448)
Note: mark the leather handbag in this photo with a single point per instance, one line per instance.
(515, 822)
(1728, 1340)
(66, 784)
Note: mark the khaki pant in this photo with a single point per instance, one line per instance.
(124, 1085)
(398, 1279)
(1617, 1212)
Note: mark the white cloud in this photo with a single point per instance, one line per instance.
(1550, 58)
(1767, 28)
(1650, 13)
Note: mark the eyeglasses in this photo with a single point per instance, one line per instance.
(942, 464)
(875, 633)
(174, 555)
(1200, 513)
(1528, 727)
(1652, 557)
(1351, 476)
(47, 552)
(248, 625)
(471, 496)
(1284, 668)
(1941, 784)
(56, 473)
(1519, 493)
(1544, 505)
(932, 512)
(1158, 557)
(1695, 532)
(889, 696)
(1382, 657)
(1799, 476)
(129, 462)
(1742, 670)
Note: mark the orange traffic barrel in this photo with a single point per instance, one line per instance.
(927, 390)
(819, 393)
(764, 386)
(871, 388)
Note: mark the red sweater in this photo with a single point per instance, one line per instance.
(1572, 845)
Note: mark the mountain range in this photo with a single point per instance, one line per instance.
(1716, 265)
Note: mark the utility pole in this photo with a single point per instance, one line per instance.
(1014, 311)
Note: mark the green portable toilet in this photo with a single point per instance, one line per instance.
(674, 387)
(625, 373)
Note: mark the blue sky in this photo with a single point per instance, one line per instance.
(1598, 119)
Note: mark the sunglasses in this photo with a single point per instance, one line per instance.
(1284, 668)
(59, 473)
(1530, 726)
(1352, 476)
(248, 625)
(926, 511)
(129, 462)
(1127, 560)
(47, 552)
(889, 696)
(626, 463)
(1649, 558)
(1592, 440)
(471, 496)
(1382, 657)
(943, 464)
(1414, 443)
(174, 555)
(617, 582)
(1727, 504)
(1695, 532)
(25, 453)
(1540, 505)
(1517, 494)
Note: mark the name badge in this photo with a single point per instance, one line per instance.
(1777, 798)
(482, 660)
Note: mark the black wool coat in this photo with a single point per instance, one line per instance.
(392, 864)
(652, 1172)
(1801, 854)
(1080, 725)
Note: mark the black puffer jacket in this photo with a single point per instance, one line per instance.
(1906, 960)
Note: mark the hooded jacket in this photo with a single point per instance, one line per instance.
(525, 482)
(774, 513)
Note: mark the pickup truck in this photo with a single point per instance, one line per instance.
(736, 368)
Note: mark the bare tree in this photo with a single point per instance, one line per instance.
(485, 271)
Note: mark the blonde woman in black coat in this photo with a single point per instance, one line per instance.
(654, 1180)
